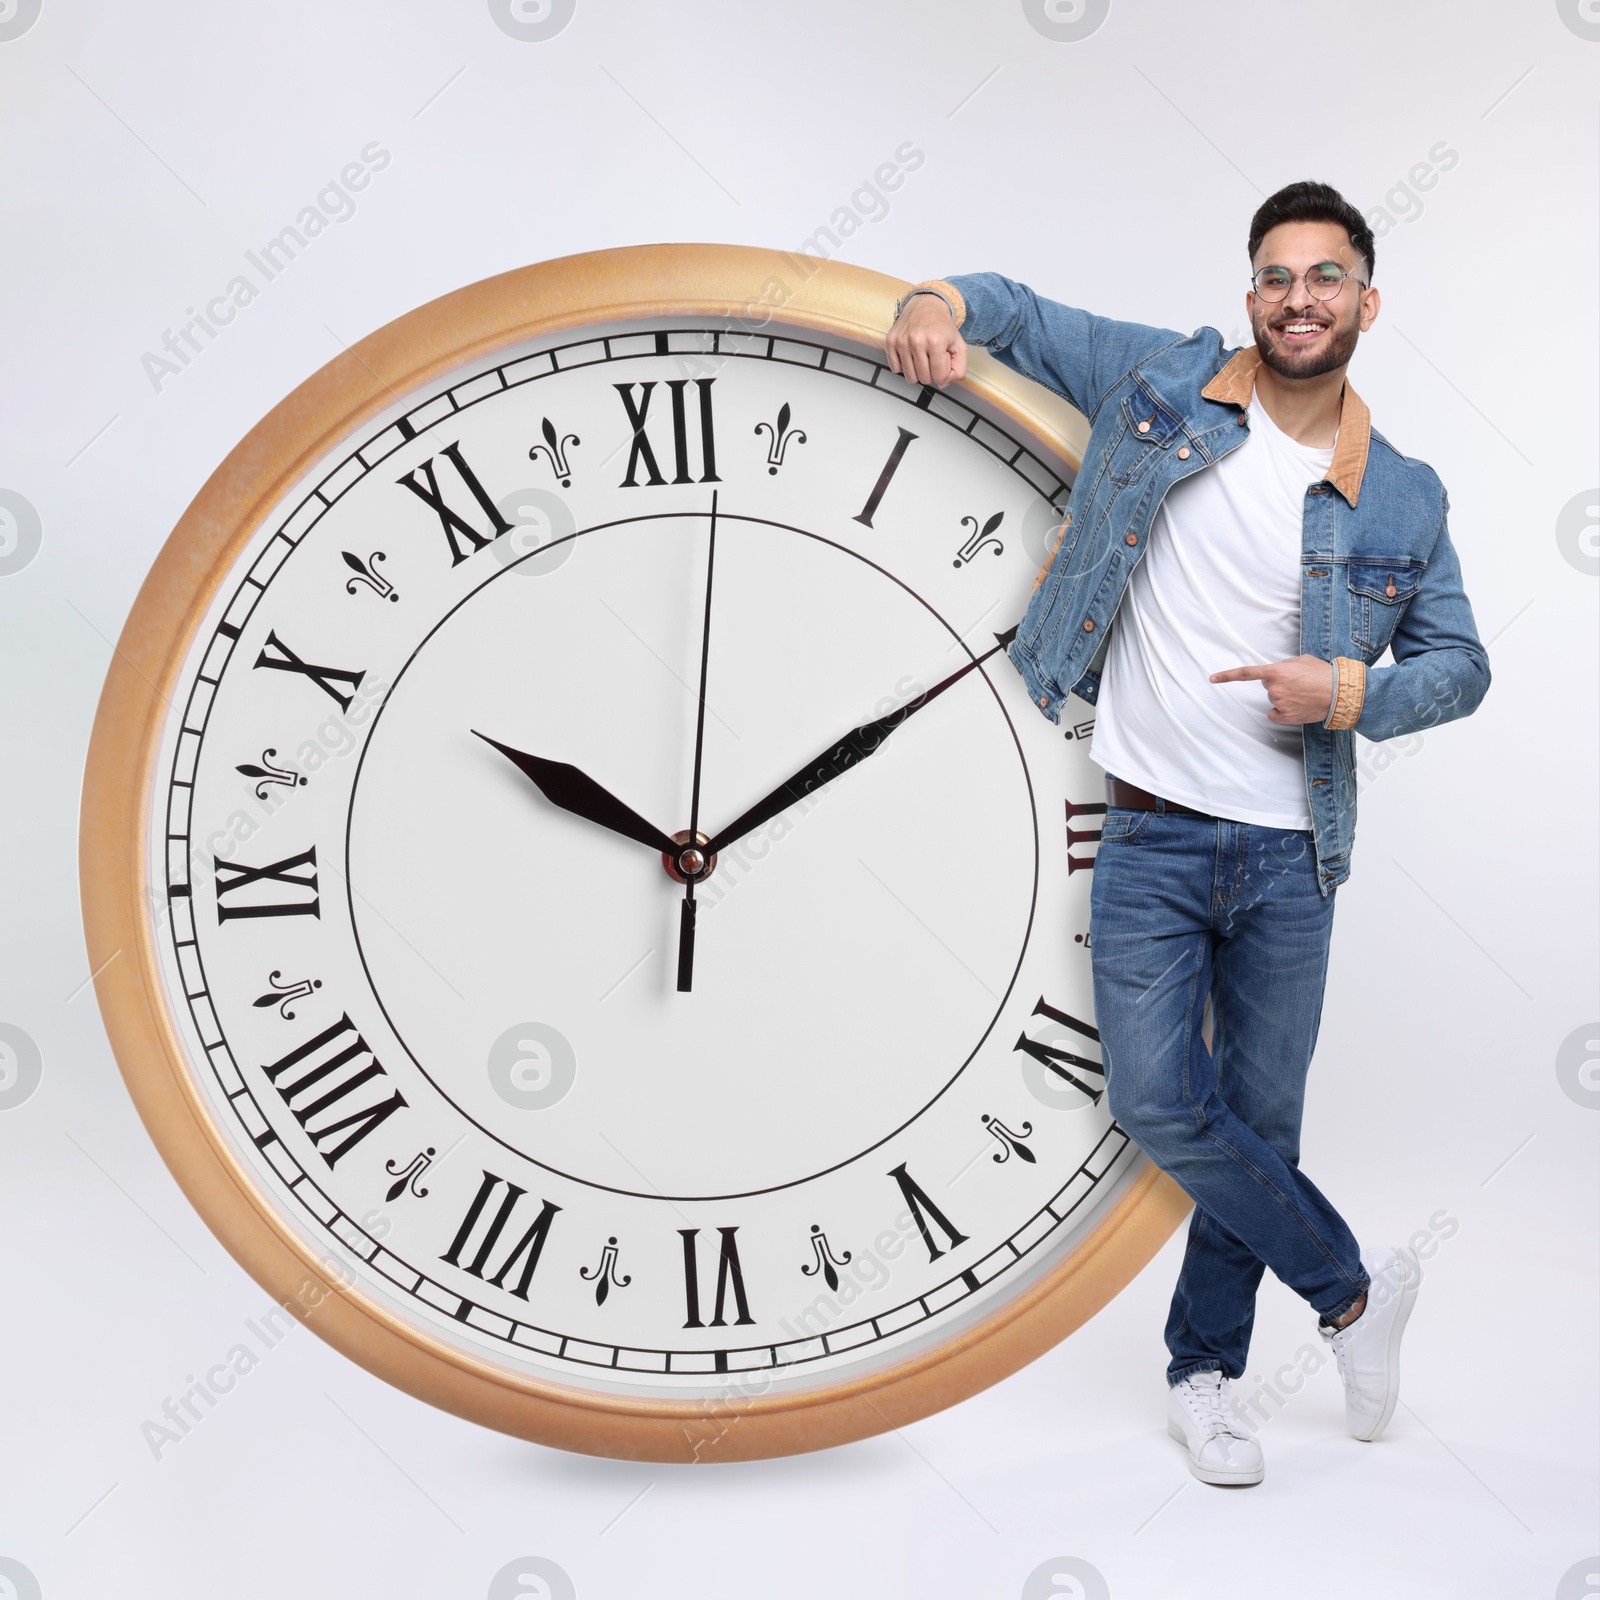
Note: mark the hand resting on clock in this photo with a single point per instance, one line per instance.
(923, 345)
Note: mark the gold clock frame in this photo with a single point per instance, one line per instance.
(756, 287)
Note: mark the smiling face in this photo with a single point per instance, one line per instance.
(1301, 336)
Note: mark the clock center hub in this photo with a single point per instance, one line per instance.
(689, 865)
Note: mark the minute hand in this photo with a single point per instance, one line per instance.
(839, 758)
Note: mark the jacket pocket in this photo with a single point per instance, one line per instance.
(1149, 425)
(1379, 591)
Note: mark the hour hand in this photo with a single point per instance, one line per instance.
(573, 790)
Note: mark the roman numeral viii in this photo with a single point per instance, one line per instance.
(317, 1075)
(300, 872)
(643, 455)
(477, 528)
(527, 1250)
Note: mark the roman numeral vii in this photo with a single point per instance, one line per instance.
(527, 1250)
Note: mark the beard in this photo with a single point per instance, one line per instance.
(1335, 350)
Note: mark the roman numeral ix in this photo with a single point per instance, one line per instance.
(298, 871)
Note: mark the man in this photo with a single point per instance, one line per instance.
(1241, 547)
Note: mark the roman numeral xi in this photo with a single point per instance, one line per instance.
(477, 525)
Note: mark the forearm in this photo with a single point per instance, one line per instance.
(1076, 353)
(1423, 691)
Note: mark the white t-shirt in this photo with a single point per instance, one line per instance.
(1219, 586)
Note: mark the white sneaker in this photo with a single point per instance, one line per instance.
(1200, 1415)
(1368, 1350)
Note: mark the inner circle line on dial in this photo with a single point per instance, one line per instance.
(653, 1194)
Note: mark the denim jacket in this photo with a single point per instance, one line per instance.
(1378, 570)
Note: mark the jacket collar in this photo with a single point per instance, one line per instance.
(1235, 384)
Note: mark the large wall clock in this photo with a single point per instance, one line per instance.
(603, 929)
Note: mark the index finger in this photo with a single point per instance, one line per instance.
(1236, 674)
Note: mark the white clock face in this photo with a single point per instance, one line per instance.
(426, 951)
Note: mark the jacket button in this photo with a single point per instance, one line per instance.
(1131, 538)
(1088, 624)
(1044, 700)
(1244, 419)
(1389, 590)
(1144, 427)
(1183, 452)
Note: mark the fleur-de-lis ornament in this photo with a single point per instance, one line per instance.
(367, 572)
(826, 1262)
(780, 437)
(556, 449)
(268, 774)
(1010, 1141)
(978, 538)
(281, 994)
(408, 1175)
(605, 1274)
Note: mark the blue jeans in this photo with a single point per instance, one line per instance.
(1184, 907)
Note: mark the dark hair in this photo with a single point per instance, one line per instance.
(1313, 202)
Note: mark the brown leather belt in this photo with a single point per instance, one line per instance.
(1132, 798)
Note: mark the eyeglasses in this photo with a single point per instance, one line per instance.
(1323, 281)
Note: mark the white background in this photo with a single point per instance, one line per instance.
(146, 148)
